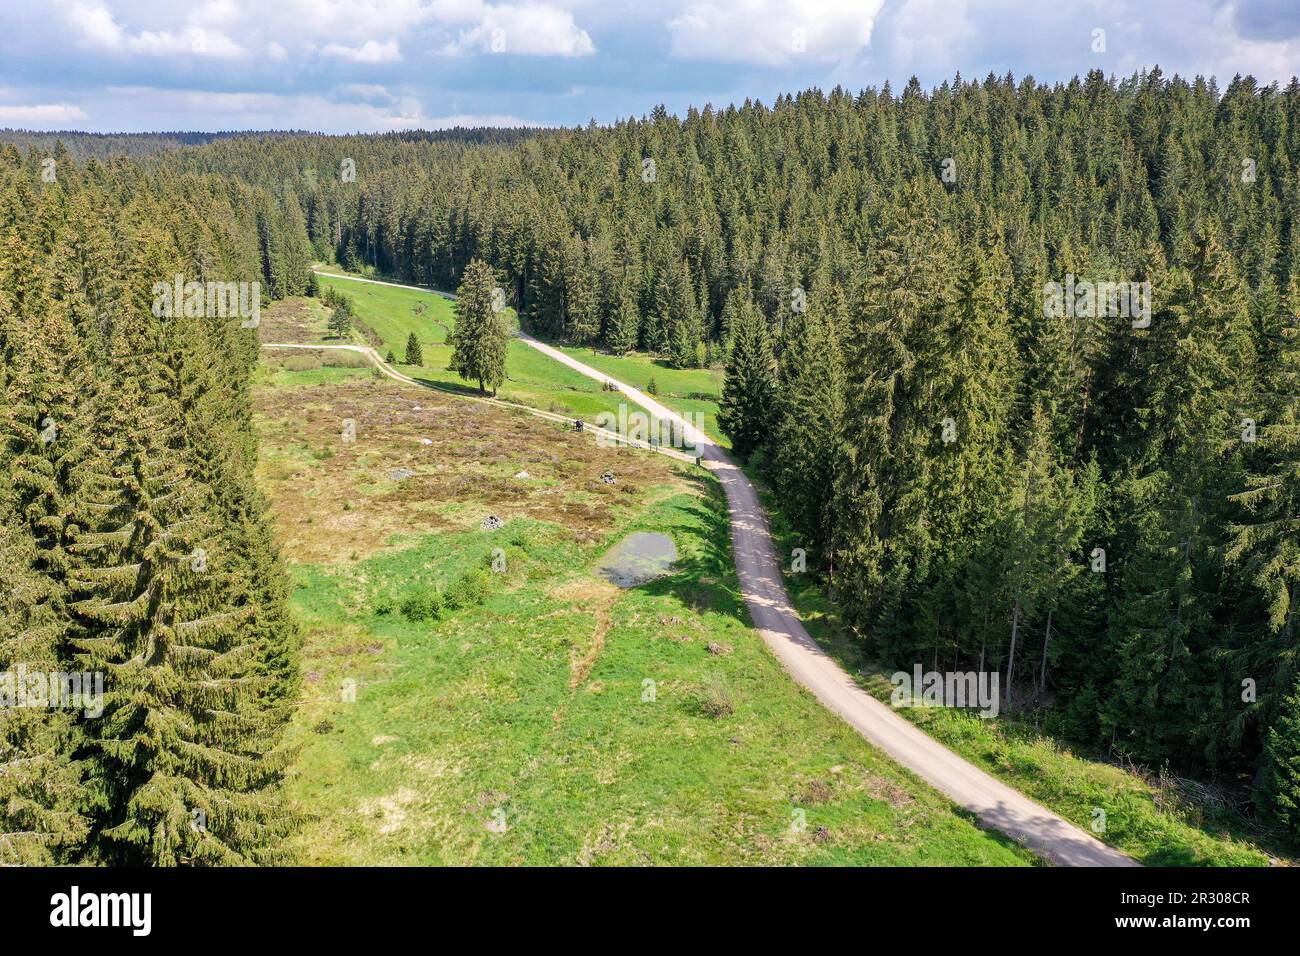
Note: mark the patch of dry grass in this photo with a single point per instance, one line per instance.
(334, 500)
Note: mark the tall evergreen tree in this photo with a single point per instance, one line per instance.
(478, 341)
(809, 414)
(745, 411)
(414, 353)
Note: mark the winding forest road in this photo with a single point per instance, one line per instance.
(994, 804)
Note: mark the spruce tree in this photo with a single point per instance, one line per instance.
(44, 445)
(414, 354)
(1281, 792)
(621, 335)
(340, 323)
(1187, 460)
(745, 411)
(185, 760)
(809, 414)
(479, 338)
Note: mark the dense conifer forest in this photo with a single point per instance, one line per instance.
(1097, 496)
(133, 541)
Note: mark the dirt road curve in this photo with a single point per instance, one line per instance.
(994, 803)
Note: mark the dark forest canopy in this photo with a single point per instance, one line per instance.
(133, 540)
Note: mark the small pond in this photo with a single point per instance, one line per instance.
(638, 558)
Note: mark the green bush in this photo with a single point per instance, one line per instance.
(423, 604)
(469, 589)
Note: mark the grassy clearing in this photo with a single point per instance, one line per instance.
(519, 729)
(691, 391)
(532, 379)
(1145, 816)
(393, 313)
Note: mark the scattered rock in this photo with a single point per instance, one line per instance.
(718, 650)
(417, 408)
(492, 523)
(426, 441)
(523, 474)
(400, 474)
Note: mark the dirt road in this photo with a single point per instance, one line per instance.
(994, 803)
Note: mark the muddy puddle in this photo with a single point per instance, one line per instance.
(637, 559)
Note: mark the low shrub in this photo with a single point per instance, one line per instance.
(713, 699)
(340, 358)
(423, 604)
(469, 589)
(302, 363)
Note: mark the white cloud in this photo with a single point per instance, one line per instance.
(368, 52)
(96, 28)
(48, 114)
(358, 31)
(477, 119)
(772, 32)
(96, 24)
(530, 30)
(366, 91)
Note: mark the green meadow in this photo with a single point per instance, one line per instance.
(532, 379)
(1144, 814)
(543, 715)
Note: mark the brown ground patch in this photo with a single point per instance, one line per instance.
(595, 597)
(337, 501)
(293, 320)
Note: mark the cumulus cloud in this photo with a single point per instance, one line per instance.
(583, 58)
(360, 31)
(46, 114)
(95, 27)
(772, 32)
(1266, 19)
(352, 109)
(368, 52)
(530, 30)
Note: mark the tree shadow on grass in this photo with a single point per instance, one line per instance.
(452, 388)
(703, 577)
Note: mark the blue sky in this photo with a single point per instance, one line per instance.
(379, 65)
